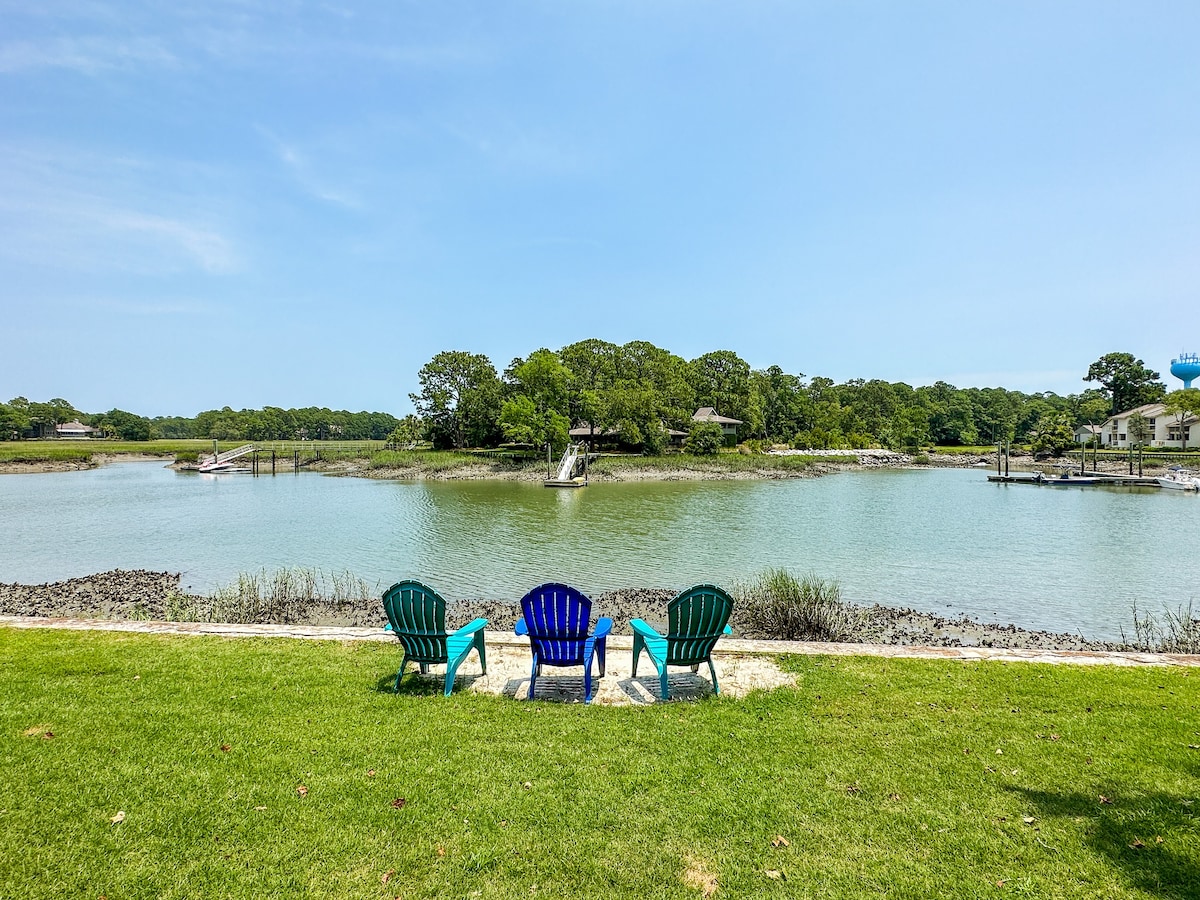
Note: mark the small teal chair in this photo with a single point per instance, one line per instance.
(416, 614)
(555, 618)
(696, 619)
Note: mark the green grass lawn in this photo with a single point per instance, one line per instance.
(288, 768)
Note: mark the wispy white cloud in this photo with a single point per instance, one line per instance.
(86, 55)
(87, 212)
(300, 167)
(507, 145)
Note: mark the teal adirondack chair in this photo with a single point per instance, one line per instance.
(417, 616)
(695, 620)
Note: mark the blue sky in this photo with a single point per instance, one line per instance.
(292, 204)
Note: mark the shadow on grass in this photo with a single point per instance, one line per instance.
(417, 685)
(1127, 829)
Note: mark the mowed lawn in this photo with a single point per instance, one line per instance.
(156, 766)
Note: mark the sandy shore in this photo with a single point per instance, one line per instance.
(135, 595)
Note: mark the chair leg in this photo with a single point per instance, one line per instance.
(482, 654)
(587, 680)
(600, 649)
(533, 676)
(451, 671)
(662, 682)
(638, 644)
(713, 670)
(400, 674)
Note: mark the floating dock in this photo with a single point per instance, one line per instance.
(1091, 478)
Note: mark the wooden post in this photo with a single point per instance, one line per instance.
(1139, 462)
(549, 471)
(999, 456)
(272, 462)
(1007, 452)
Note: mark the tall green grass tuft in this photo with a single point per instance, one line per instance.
(1177, 631)
(783, 607)
(285, 597)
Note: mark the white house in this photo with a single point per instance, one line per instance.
(1162, 428)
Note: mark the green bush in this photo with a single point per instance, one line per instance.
(787, 608)
(704, 439)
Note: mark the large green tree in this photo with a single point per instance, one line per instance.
(1183, 404)
(1126, 381)
(459, 399)
(722, 380)
(124, 425)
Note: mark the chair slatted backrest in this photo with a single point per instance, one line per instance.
(557, 616)
(417, 614)
(695, 620)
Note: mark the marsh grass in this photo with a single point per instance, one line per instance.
(284, 596)
(434, 462)
(893, 778)
(1174, 631)
(721, 462)
(783, 607)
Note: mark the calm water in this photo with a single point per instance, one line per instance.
(944, 541)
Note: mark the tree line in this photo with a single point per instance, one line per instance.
(20, 418)
(636, 393)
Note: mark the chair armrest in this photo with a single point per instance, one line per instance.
(643, 629)
(387, 627)
(471, 627)
(603, 627)
(728, 630)
(521, 628)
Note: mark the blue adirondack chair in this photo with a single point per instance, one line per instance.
(696, 619)
(417, 616)
(555, 617)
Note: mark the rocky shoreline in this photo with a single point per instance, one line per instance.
(158, 596)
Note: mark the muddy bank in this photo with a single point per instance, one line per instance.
(159, 596)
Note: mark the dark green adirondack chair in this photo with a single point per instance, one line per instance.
(417, 616)
(695, 620)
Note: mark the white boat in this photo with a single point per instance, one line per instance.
(1179, 480)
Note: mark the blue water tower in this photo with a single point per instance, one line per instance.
(1186, 368)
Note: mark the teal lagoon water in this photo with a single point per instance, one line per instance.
(944, 541)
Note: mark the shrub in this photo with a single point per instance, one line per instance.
(1178, 632)
(787, 608)
(921, 459)
(704, 439)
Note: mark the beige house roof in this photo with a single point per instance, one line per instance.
(74, 428)
(708, 414)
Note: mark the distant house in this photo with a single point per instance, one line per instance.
(1085, 433)
(584, 432)
(74, 430)
(708, 414)
(1162, 428)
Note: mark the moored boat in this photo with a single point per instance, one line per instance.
(1178, 479)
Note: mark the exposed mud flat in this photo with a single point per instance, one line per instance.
(157, 595)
